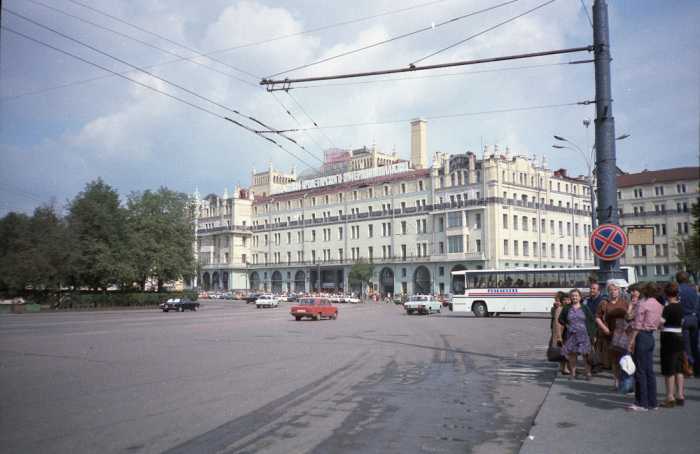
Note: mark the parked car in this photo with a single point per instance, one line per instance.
(266, 301)
(252, 298)
(314, 307)
(179, 304)
(425, 304)
(350, 299)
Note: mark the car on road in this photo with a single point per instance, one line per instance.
(179, 304)
(266, 301)
(424, 304)
(315, 308)
(252, 298)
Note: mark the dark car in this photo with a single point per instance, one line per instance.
(179, 304)
(252, 298)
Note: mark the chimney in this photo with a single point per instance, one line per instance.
(419, 143)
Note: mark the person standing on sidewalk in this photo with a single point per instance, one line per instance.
(671, 353)
(608, 313)
(689, 300)
(561, 299)
(580, 326)
(647, 321)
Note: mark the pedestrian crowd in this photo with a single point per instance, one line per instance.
(615, 331)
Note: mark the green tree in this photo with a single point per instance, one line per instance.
(689, 247)
(102, 237)
(164, 234)
(15, 246)
(361, 273)
(51, 258)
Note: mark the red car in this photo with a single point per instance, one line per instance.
(314, 308)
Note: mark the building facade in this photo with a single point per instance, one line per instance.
(660, 200)
(415, 222)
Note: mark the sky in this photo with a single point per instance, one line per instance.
(138, 93)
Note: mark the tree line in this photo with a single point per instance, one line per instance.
(100, 242)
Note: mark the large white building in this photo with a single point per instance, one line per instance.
(416, 222)
(661, 200)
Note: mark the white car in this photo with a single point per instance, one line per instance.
(424, 304)
(350, 299)
(266, 301)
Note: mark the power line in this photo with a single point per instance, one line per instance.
(465, 114)
(327, 27)
(156, 77)
(154, 89)
(287, 82)
(394, 39)
(161, 37)
(481, 33)
(180, 57)
(430, 76)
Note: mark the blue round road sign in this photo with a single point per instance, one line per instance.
(608, 242)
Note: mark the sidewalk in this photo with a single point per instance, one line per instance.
(585, 417)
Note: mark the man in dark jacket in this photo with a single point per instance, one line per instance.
(689, 300)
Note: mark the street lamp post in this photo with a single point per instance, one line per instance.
(590, 163)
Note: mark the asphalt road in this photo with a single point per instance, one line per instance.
(232, 378)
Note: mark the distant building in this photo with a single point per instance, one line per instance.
(660, 199)
(416, 222)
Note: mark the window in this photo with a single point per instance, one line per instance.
(441, 271)
(478, 245)
(370, 231)
(505, 247)
(534, 224)
(561, 228)
(515, 248)
(455, 244)
(505, 221)
(659, 190)
(403, 227)
(526, 249)
(525, 223)
(544, 225)
(553, 251)
(454, 219)
(441, 224)
(662, 269)
(477, 224)
(515, 222)
(680, 188)
(544, 250)
(340, 233)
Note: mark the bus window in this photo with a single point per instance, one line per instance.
(458, 284)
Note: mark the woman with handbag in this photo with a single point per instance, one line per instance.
(672, 346)
(579, 322)
(609, 311)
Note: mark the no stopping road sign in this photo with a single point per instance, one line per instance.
(608, 242)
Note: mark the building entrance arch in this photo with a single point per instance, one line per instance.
(276, 282)
(254, 282)
(299, 282)
(421, 281)
(386, 281)
(206, 282)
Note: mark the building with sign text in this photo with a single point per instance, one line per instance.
(415, 221)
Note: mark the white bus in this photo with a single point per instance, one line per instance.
(514, 291)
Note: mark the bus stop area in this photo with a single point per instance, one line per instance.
(582, 416)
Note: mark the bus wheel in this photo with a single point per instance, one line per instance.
(479, 310)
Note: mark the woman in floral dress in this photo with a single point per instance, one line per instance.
(580, 325)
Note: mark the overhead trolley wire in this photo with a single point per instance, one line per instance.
(163, 38)
(485, 31)
(152, 75)
(154, 89)
(394, 38)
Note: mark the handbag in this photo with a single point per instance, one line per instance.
(554, 352)
(622, 337)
